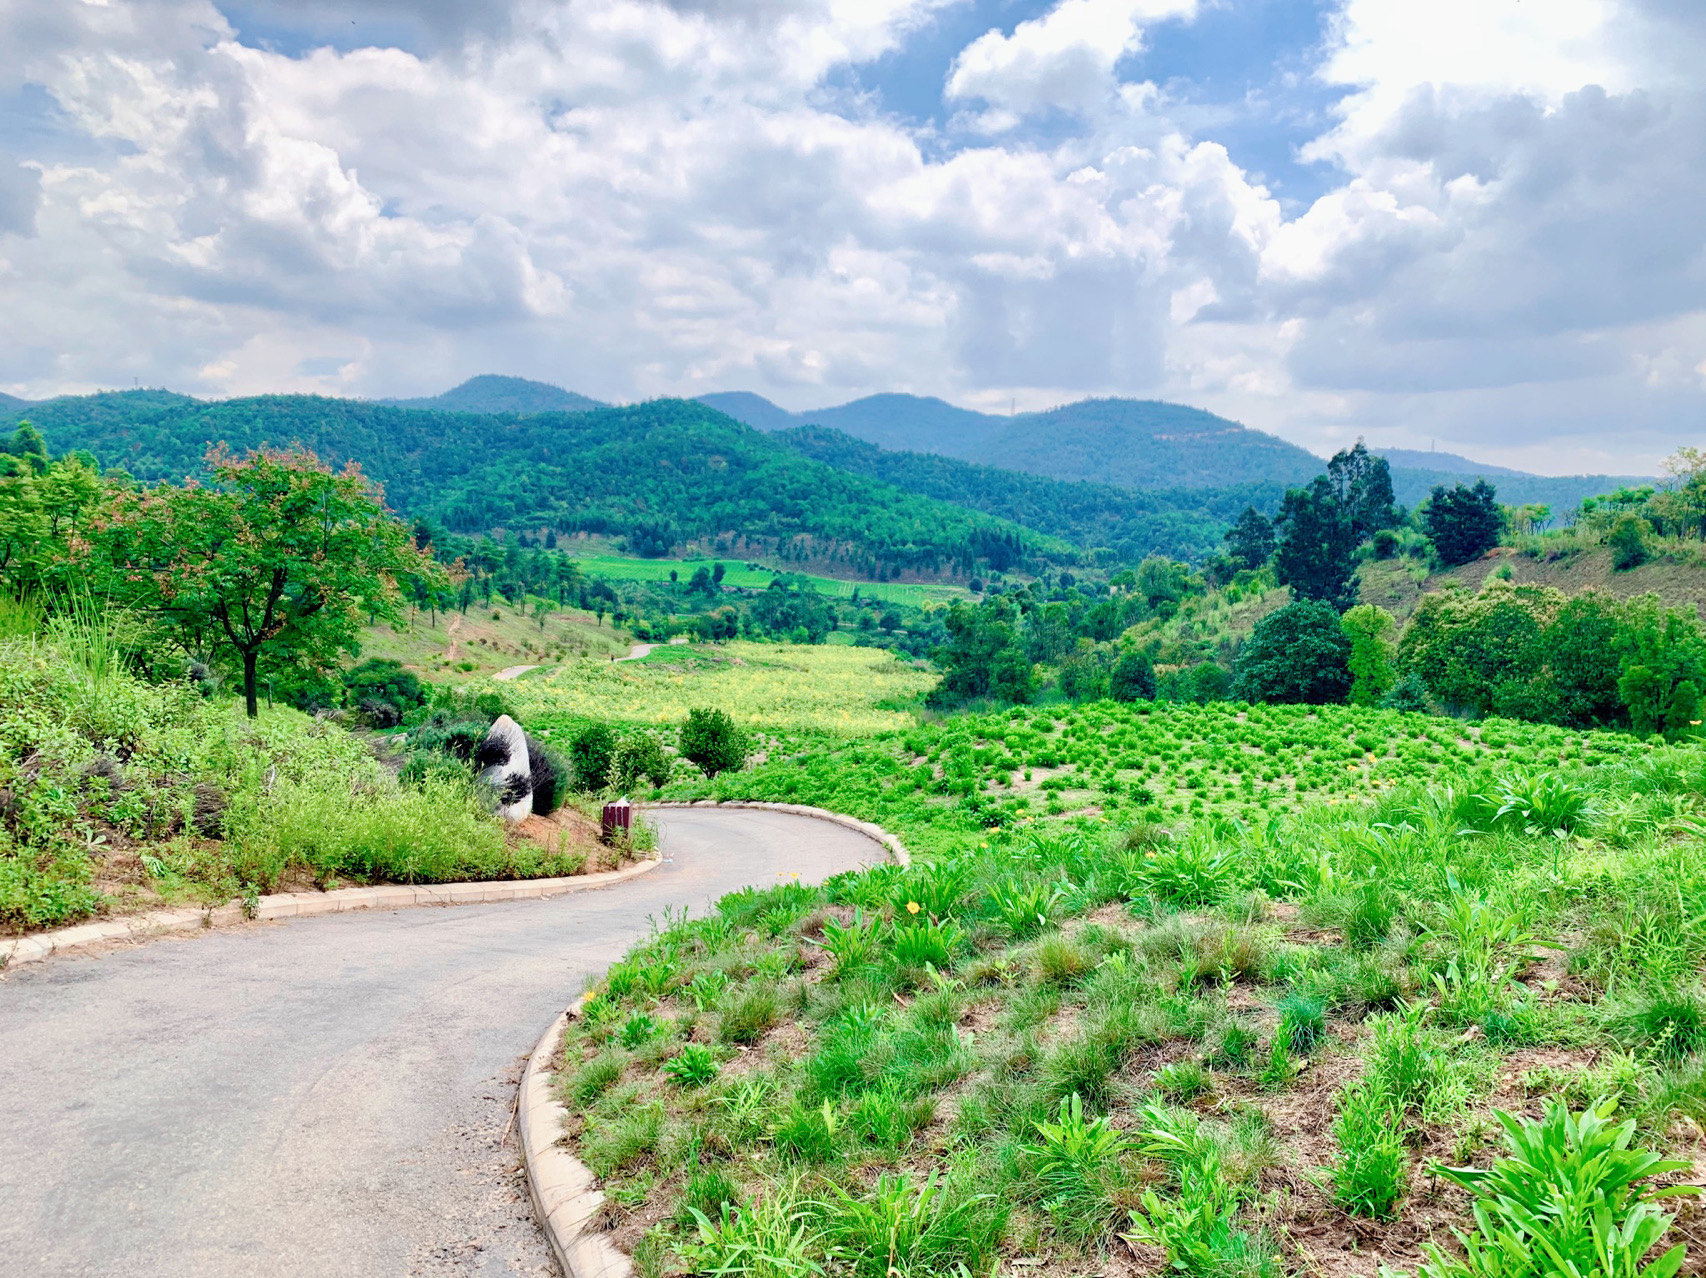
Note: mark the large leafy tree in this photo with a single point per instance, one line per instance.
(1688, 467)
(45, 507)
(1250, 541)
(276, 559)
(1363, 485)
(1316, 555)
(1463, 523)
(1664, 671)
(1372, 676)
(1479, 652)
(1299, 654)
(983, 656)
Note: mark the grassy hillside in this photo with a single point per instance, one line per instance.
(454, 647)
(118, 794)
(825, 689)
(1202, 989)
(1677, 577)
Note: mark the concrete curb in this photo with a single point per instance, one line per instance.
(870, 830)
(564, 1190)
(565, 1193)
(299, 905)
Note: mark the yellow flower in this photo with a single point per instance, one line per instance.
(912, 907)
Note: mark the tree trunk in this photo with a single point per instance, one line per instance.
(251, 700)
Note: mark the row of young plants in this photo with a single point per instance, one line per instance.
(1165, 762)
(1233, 1045)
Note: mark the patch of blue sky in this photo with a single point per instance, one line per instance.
(293, 32)
(1240, 73)
(31, 123)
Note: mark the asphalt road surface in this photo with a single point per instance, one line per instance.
(324, 1096)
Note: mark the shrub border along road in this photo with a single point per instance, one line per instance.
(563, 1189)
(295, 905)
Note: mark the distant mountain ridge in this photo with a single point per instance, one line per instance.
(1130, 476)
(491, 393)
(658, 474)
(1444, 463)
(1141, 445)
(12, 401)
(1125, 442)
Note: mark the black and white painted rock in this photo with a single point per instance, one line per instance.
(502, 763)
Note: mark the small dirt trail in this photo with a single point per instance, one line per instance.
(325, 1097)
(514, 672)
(637, 651)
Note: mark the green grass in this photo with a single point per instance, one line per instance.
(1318, 951)
(737, 574)
(456, 647)
(796, 688)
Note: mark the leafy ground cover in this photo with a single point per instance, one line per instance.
(1223, 762)
(1219, 988)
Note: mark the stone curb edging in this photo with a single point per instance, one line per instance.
(870, 830)
(292, 905)
(563, 1189)
(565, 1193)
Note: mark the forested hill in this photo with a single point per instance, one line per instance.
(1126, 442)
(1443, 463)
(657, 474)
(12, 401)
(1182, 523)
(1141, 445)
(489, 393)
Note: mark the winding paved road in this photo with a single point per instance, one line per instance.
(326, 1096)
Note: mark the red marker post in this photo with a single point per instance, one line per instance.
(617, 816)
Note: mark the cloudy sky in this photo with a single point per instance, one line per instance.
(1481, 222)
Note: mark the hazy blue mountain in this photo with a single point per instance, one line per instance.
(1441, 463)
(9, 402)
(1125, 442)
(1144, 444)
(1180, 523)
(1561, 492)
(752, 410)
(490, 393)
(917, 422)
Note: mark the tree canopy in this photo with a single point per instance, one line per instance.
(276, 559)
(1463, 523)
(1299, 653)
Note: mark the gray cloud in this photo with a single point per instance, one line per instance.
(660, 196)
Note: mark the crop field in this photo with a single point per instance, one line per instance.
(1223, 990)
(1219, 763)
(778, 687)
(738, 573)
